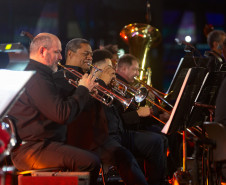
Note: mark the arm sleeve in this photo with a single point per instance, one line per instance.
(45, 97)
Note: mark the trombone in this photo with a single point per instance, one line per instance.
(140, 93)
(154, 91)
(103, 95)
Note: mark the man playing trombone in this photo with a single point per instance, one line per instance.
(137, 117)
(148, 146)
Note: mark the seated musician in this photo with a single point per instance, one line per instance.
(215, 41)
(220, 115)
(137, 117)
(103, 132)
(119, 133)
(224, 49)
(41, 115)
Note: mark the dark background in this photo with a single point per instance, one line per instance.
(100, 22)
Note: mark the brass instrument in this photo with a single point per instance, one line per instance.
(104, 95)
(140, 38)
(160, 95)
(121, 88)
(139, 94)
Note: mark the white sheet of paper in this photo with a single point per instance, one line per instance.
(11, 83)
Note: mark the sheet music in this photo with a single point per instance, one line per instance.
(168, 123)
(11, 83)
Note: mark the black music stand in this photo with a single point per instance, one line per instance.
(181, 111)
(180, 114)
(185, 63)
(205, 102)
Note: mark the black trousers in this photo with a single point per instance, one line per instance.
(120, 150)
(37, 155)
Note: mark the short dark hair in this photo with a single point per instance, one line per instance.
(100, 55)
(74, 45)
(214, 36)
(112, 48)
(126, 59)
(224, 43)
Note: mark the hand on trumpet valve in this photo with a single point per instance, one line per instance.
(144, 111)
(107, 75)
(88, 81)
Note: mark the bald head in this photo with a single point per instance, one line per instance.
(42, 39)
(46, 49)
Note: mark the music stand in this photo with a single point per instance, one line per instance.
(11, 87)
(185, 100)
(181, 71)
(180, 114)
(206, 100)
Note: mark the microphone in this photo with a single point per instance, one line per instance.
(189, 47)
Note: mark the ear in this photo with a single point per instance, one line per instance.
(215, 44)
(42, 51)
(69, 53)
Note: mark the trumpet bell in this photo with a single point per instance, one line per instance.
(141, 94)
(126, 103)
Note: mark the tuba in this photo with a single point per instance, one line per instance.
(141, 38)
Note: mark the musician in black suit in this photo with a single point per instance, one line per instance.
(215, 41)
(110, 141)
(220, 115)
(146, 145)
(224, 49)
(42, 115)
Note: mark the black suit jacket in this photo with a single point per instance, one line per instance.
(89, 130)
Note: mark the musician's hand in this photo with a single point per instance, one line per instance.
(144, 111)
(107, 74)
(164, 116)
(88, 81)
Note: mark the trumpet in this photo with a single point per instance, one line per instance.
(103, 95)
(139, 94)
(121, 88)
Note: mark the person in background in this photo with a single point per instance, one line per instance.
(224, 49)
(113, 49)
(41, 115)
(215, 41)
(220, 115)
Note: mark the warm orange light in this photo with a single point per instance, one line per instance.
(168, 152)
(175, 182)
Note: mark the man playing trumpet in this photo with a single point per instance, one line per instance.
(99, 128)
